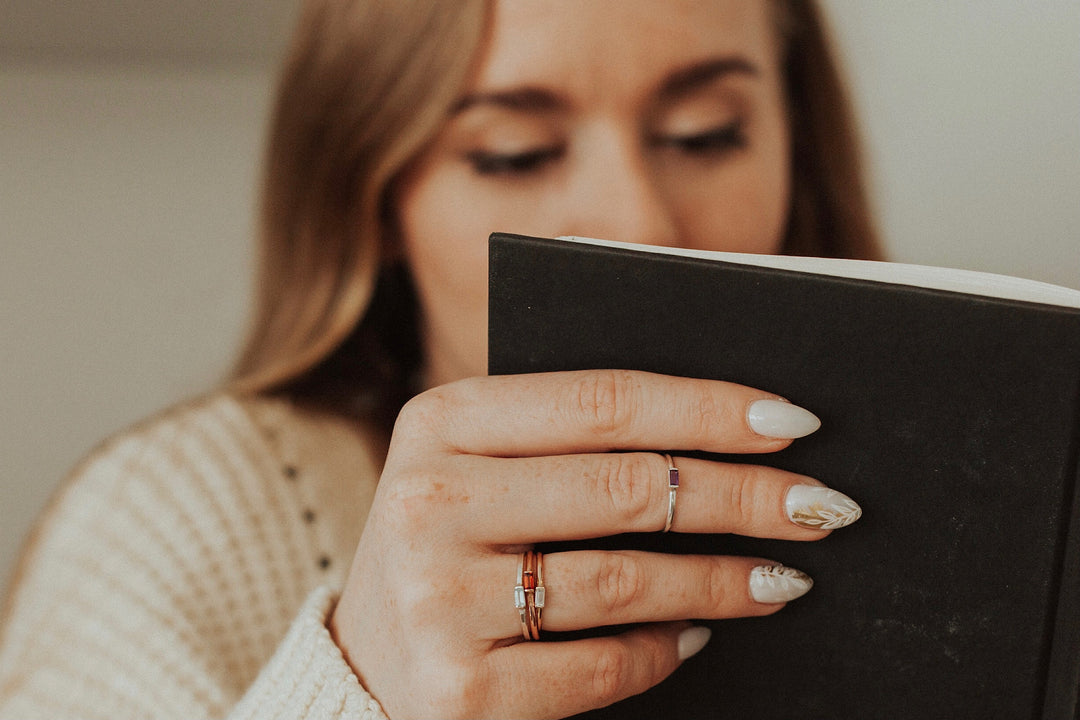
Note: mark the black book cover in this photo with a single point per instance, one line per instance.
(953, 420)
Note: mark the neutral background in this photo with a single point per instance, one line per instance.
(129, 142)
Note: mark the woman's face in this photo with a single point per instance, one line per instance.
(644, 121)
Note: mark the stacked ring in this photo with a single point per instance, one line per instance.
(529, 593)
(539, 597)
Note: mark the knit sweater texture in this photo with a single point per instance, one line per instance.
(187, 569)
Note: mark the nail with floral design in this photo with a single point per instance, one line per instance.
(820, 508)
(778, 583)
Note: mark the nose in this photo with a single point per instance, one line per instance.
(616, 195)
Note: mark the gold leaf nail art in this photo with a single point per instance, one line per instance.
(821, 508)
(778, 583)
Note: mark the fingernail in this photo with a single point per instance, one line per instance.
(820, 508)
(779, 419)
(777, 583)
(691, 640)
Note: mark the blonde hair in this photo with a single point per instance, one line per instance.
(365, 87)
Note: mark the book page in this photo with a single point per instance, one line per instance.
(964, 281)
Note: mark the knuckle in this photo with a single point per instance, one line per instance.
(423, 414)
(606, 400)
(619, 582)
(413, 500)
(736, 502)
(711, 415)
(718, 589)
(658, 660)
(611, 675)
(453, 692)
(628, 482)
(432, 411)
(414, 598)
(742, 497)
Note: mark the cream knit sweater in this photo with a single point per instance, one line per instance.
(187, 570)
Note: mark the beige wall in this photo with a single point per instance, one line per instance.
(972, 110)
(126, 188)
(125, 206)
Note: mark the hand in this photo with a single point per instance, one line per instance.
(481, 469)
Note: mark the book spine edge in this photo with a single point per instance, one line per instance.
(1062, 697)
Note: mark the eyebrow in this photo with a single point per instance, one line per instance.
(678, 83)
(524, 99)
(686, 80)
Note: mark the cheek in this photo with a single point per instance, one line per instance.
(753, 217)
(444, 242)
(741, 208)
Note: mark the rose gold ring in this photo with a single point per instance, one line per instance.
(529, 594)
(538, 598)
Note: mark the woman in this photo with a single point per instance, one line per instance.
(287, 548)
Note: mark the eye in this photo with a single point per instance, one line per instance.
(522, 163)
(715, 141)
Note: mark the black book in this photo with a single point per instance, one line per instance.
(950, 408)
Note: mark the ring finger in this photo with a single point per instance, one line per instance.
(586, 589)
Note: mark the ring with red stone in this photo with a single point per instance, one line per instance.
(538, 599)
(673, 487)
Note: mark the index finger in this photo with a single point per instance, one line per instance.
(602, 410)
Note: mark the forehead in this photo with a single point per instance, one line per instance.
(588, 47)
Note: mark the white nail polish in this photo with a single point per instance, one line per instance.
(777, 583)
(691, 640)
(820, 508)
(779, 419)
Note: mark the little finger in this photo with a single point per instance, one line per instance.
(559, 679)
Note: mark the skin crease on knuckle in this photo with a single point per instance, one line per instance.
(624, 668)
(619, 583)
(419, 502)
(634, 120)
(605, 403)
(627, 482)
(740, 497)
(710, 413)
(611, 675)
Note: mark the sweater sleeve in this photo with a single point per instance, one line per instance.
(308, 677)
(179, 575)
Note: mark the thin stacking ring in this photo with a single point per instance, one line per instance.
(530, 594)
(539, 598)
(673, 487)
(520, 600)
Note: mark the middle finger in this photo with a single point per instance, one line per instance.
(530, 500)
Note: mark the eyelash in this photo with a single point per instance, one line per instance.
(490, 163)
(717, 141)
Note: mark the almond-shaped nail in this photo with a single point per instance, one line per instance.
(779, 419)
(691, 640)
(820, 508)
(777, 583)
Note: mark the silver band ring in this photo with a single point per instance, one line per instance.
(673, 487)
(520, 601)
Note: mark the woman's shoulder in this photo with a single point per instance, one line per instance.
(224, 437)
(217, 479)
(179, 551)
